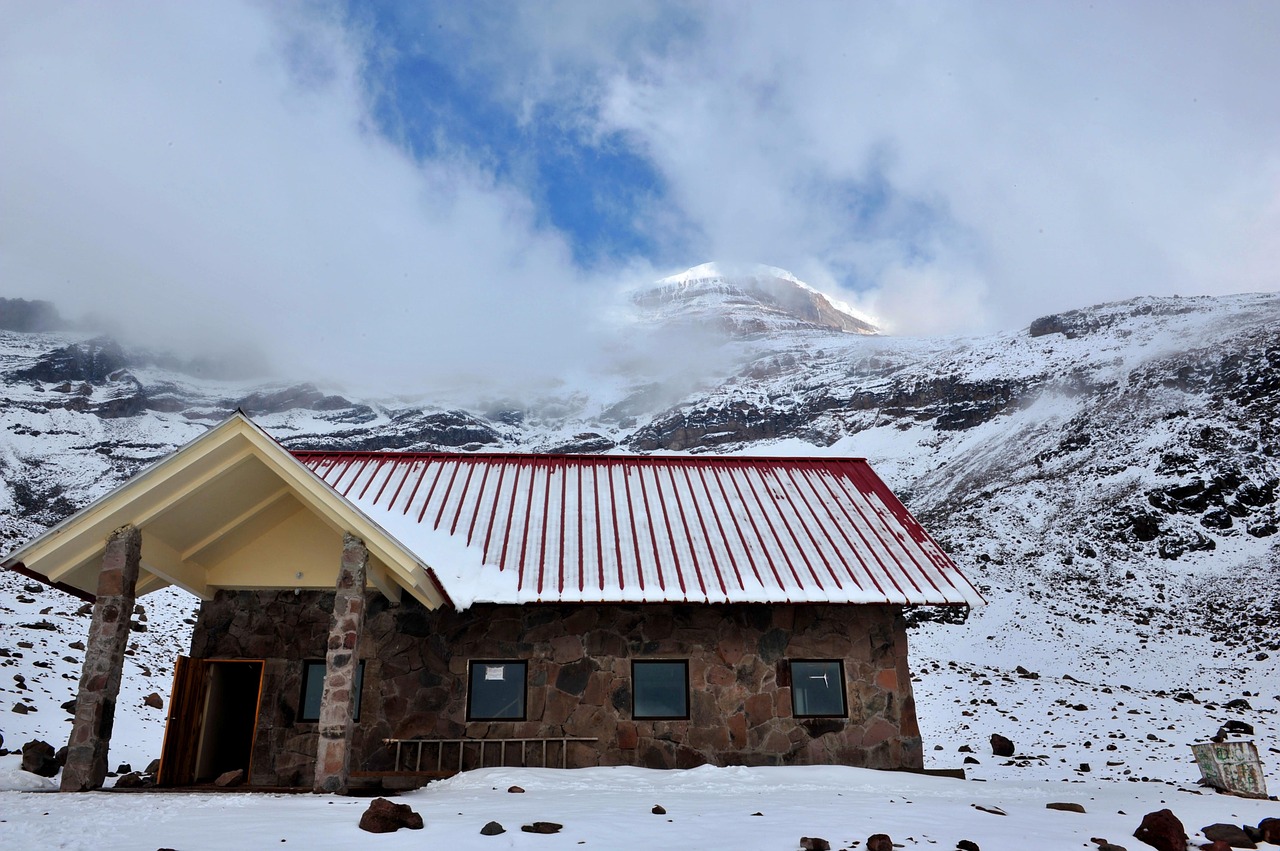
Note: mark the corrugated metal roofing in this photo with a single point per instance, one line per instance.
(582, 528)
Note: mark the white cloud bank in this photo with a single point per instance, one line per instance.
(209, 170)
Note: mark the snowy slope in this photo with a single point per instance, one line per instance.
(1108, 476)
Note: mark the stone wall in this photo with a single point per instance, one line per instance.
(579, 679)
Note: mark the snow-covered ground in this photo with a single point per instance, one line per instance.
(735, 809)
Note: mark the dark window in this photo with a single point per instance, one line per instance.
(817, 689)
(660, 689)
(497, 691)
(313, 687)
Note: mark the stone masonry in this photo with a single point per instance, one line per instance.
(579, 679)
(337, 701)
(108, 639)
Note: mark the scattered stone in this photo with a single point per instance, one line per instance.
(659, 810)
(757, 814)
(385, 816)
(515, 790)
(1270, 830)
(76, 645)
(492, 829)
(1228, 833)
(966, 845)
(231, 778)
(1163, 831)
(1238, 703)
(1084, 767)
(879, 842)
(964, 749)
(1217, 845)
(815, 843)
(61, 756)
(154, 701)
(1000, 746)
(21, 708)
(131, 780)
(39, 757)
(970, 760)
(1065, 807)
(153, 767)
(541, 827)
(124, 768)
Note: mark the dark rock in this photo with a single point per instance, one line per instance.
(541, 827)
(1163, 831)
(154, 701)
(967, 845)
(385, 816)
(124, 768)
(1000, 746)
(70, 706)
(1231, 834)
(34, 316)
(1065, 807)
(92, 361)
(39, 757)
(1048, 325)
(515, 790)
(492, 829)
(659, 810)
(230, 778)
(879, 842)
(61, 756)
(814, 843)
(971, 760)
(131, 780)
(21, 708)
(1270, 830)
(1217, 845)
(1238, 703)
(153, 767)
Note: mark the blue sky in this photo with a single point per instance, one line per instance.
(392, 176)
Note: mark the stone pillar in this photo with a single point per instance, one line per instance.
(337, 701)
(86, 766)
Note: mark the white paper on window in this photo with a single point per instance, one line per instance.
(494, 672)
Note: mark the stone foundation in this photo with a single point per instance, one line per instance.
(579, 679)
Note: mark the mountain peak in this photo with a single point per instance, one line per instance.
(749, 299)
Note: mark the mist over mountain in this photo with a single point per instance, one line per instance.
(1108, 475)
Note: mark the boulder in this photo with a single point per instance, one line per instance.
(879, 842)
(132, 780)
(1231, 834)
(541, 827)
(967, 845)
(385, 816)
(1065, 807)
(814, 843)
(659, 810)
(235, 777)
(154, 701)
(39, 758)
(492, 829)
(1270, 830)
(1000, 746)
(1163, 831)
(153, 767)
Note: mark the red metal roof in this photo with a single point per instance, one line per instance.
(609, 528)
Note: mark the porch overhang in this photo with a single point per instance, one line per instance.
(232, 510)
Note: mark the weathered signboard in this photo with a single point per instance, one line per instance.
(1231, 767)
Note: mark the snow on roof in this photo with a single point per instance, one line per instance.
(566, 528)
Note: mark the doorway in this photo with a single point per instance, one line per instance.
(213, 716)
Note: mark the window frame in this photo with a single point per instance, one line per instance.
(635, 692)
(844, 688)
(308, 665)
(524, 685)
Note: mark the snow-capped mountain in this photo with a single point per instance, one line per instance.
(1108, 475)
(747, 301)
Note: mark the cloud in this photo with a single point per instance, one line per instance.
(209, 175)
(1063, 155)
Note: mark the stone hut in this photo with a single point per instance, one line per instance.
(376, 616)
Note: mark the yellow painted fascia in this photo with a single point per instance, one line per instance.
(65, 547)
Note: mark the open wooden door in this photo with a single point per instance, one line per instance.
(182, 730)
(213, 715)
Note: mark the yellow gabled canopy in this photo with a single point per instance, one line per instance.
(230, 510)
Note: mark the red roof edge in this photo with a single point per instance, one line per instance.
(22, 569)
